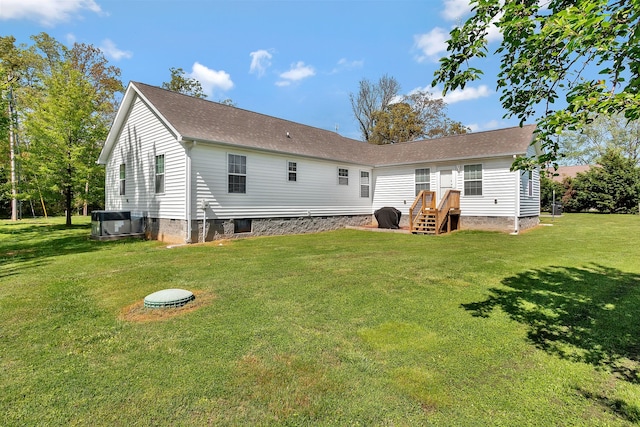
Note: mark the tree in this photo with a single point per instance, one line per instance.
(184, 85)
(550, 192)
(397, 123)
(611, 187)
(603, 133)
(385, 117)
(11, 63)
(371, 98)
(583, 50)
(227, 101)
(433, 115)
(67, 118)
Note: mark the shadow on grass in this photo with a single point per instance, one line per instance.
(586, 314)
(33, 245)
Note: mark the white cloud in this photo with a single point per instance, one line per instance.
(458, 95)
(431, 44)
(455, 9)
(297, 72)
(260, 61)
(345, 64)
(466, 94)
(211, 80)
(112, 52)
(490, 125)
(494, 34)
(46, 12)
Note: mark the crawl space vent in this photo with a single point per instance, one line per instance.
(168, 298)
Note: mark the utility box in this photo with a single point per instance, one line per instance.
(107, 225)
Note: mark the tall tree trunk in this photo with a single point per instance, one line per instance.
(68, 197)
(85, 205)
(68, 189)
(12, 155)
(44, 207)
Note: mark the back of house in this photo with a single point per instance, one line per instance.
(197, 170)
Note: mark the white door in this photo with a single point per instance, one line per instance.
(446, 182)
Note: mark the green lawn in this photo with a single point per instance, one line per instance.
(339, 328)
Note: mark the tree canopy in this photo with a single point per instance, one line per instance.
(386, 117)
(65, 100)
(611, 186)
(182, 84)
(562, 62)
(397, 123)
(603, 133)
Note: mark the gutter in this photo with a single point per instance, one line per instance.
(516, 224)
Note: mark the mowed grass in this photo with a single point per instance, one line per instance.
(340, 328)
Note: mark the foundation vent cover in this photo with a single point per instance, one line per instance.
(168, 298)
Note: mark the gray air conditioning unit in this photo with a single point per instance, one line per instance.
(109, 225)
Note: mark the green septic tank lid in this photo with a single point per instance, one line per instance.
(168, 298)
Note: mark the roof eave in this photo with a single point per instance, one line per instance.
(272, 151)
(450, 159)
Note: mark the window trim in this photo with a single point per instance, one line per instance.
(416, 182)
(366, 185)
(343, 179)
(241, 173)
(468, 180)
(292, 172)
(530, 184)
(123, 179)
(159, 175)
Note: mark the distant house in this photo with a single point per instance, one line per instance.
(563, 172)
(199, 170)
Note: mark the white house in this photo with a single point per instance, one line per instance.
(196, 169)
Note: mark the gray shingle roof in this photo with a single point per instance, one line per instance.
(207, 121)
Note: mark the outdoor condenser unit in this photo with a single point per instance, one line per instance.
(114, 224)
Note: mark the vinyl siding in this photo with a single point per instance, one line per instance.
(498, 192)
(530, 205)
(143, 137)
(268, 191)
(395, 186)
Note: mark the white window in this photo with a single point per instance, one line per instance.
(422, 180)
(527, 183)
(237, 168)
(292, 171)
(123, 177)
(364, 184)
(160, 173)
(473, 180)
(343, 176)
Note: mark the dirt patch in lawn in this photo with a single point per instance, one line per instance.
(137, 312)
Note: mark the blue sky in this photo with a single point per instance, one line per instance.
(298, 59)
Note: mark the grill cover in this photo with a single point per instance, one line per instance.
(388, 217)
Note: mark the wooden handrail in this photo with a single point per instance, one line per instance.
(451, 200)
(427, 201)
(425, 205)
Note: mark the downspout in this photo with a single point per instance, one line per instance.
(517, 212)
(189, 145)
